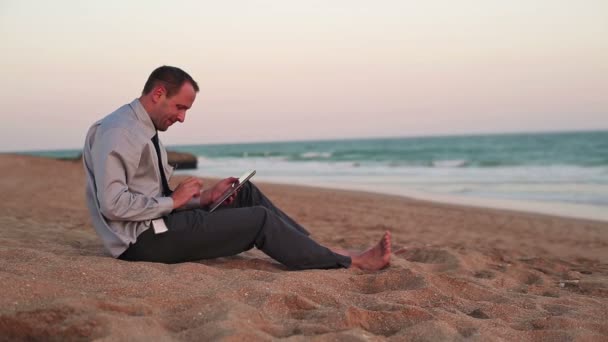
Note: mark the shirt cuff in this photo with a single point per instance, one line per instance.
(165, 204)
(193, 203)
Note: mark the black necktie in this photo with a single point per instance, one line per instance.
(166, 190)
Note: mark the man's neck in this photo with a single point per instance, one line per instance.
(146, 102)
(148, 105)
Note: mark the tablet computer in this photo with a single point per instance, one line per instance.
(242, 180)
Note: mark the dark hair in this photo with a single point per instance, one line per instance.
(171, 78)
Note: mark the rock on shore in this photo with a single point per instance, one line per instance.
(181, 160)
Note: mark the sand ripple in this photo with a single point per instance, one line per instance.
(456, 274)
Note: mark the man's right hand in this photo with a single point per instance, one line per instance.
(186, 190)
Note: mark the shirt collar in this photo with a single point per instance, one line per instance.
(143, 117)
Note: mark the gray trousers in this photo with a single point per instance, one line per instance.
(251, 220)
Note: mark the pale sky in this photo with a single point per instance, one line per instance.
(296, 70)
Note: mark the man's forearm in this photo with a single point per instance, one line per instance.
(205, 198)
(133, 207)
(193, 203)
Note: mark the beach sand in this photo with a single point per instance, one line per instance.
(456, 273)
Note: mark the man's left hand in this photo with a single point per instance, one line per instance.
(211, 195)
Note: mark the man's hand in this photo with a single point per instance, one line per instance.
(186, 190)
(211, 195)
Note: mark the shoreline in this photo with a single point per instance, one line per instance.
(565, 210)
(554, 209)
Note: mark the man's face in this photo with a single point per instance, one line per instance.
(172, 109)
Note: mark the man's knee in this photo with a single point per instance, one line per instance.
(259, 214)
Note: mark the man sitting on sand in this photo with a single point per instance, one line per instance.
(140, 219)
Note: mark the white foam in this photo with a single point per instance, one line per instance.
(558, 190)
(450, 163)
(312, 155)
(582, 211)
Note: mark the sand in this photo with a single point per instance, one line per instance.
(456, 273)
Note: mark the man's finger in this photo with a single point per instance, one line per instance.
(186, 181)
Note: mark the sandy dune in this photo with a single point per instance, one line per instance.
(457, 273)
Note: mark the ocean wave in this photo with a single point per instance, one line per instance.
(493, 163)
(450, 163)
(256, 154)
(315, 155)
(552, 183)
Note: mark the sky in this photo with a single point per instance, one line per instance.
(298, 70)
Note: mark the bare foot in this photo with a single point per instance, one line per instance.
(375, 258)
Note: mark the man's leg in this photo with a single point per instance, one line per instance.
(196, 234)
(250, 195)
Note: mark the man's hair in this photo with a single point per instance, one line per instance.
(171, 78)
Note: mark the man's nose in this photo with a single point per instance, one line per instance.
(181, 117)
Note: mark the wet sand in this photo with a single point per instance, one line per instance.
(456, 273)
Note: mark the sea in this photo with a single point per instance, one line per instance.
(555, 173)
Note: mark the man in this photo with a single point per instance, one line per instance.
(140, 219)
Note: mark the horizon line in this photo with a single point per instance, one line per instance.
(450, 135)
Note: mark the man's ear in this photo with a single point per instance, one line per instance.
(158, 93)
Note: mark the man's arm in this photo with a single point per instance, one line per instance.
(114, 154)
